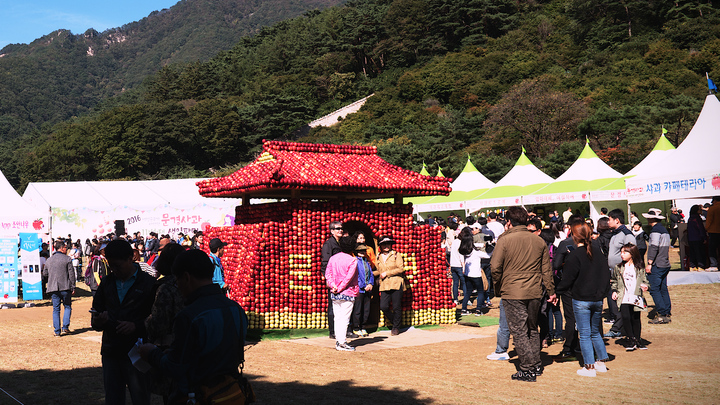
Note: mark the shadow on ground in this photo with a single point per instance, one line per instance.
(84, 386)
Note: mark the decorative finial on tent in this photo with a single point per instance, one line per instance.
(664, 131)
(523, 149)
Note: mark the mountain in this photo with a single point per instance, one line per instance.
(63, 74)
(451, 78)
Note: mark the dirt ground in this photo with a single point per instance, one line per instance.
(682, 365)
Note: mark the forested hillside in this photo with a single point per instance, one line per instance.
(64, 74)
(450, 77)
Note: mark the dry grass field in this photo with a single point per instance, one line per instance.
(682, 365)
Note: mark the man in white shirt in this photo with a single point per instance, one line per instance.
(496, 227)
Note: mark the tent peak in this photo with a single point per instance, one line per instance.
(523, 160)
(469, 167)
(587, 152)
(663, 144)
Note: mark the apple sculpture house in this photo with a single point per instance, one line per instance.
(272, 261)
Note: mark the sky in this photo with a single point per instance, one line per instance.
(23, 21)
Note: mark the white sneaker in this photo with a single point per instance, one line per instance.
(344, 347)
(712, 269)
(498, 356)
(600, 367)
(587, 372)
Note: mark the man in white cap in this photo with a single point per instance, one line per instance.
(658, 266)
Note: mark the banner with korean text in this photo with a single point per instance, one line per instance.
(8, 270)
(30, 265)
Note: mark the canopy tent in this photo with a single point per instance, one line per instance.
(588, 173)
(471, 179)
(468, 183)
(616, 190)
(16, 214)
(85, 209)
(694, 168)
(522, 179)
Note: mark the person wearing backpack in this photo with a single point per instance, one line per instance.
(96, 269)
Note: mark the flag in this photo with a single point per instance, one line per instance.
(711, 84)
(664, 130)
(523, 149)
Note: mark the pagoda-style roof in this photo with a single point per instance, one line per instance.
(320, 171)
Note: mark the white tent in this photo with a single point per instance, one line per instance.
(469, 182)
(588, 173)
(693, 170)
(523, 178)
(85, 209)
(470, 179)
(16, 214)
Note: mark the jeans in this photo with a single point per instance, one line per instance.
(473, 283)
(658, 289)
(588, 315)
(555, 321)
(64, 297)
(458, 280)
(119, 373)
(503, 332)
(490, 293)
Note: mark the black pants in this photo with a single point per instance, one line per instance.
(330, 315)
(697, 254)
(615, 313)
(631, 321)
(361, 310)
(394, 296)
(571, 343)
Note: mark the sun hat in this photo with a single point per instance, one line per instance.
(653, 213)
(386, 239)
(361, 247)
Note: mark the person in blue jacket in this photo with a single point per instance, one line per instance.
(366, 280)
(217, 248)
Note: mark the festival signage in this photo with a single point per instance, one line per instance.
(608, 195)
(672, 187)
(535, 199)
(8, 270)
(30, 265)
(84, 222)
(475, 205)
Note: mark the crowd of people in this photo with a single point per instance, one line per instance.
(554, 279)
(568, 272)
(167, 299)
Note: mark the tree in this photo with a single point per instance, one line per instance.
(535, 115)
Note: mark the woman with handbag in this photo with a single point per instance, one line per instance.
(391, 271)
(627, 285)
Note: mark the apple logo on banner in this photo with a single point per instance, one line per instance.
(517, 201)
(584, 196)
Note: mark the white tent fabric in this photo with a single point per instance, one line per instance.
(16, 214)
(659, 156)
(523, 178)
(588, 173)
(85, 209)
(694, 168)
(470, 179)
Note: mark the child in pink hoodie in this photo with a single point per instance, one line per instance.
(341, 278)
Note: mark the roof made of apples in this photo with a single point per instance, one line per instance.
(321, 171)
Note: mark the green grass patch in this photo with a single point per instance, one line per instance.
(480, 320)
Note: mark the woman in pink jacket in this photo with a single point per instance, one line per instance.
(342, 280)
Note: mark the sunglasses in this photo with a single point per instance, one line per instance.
(336, 229)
